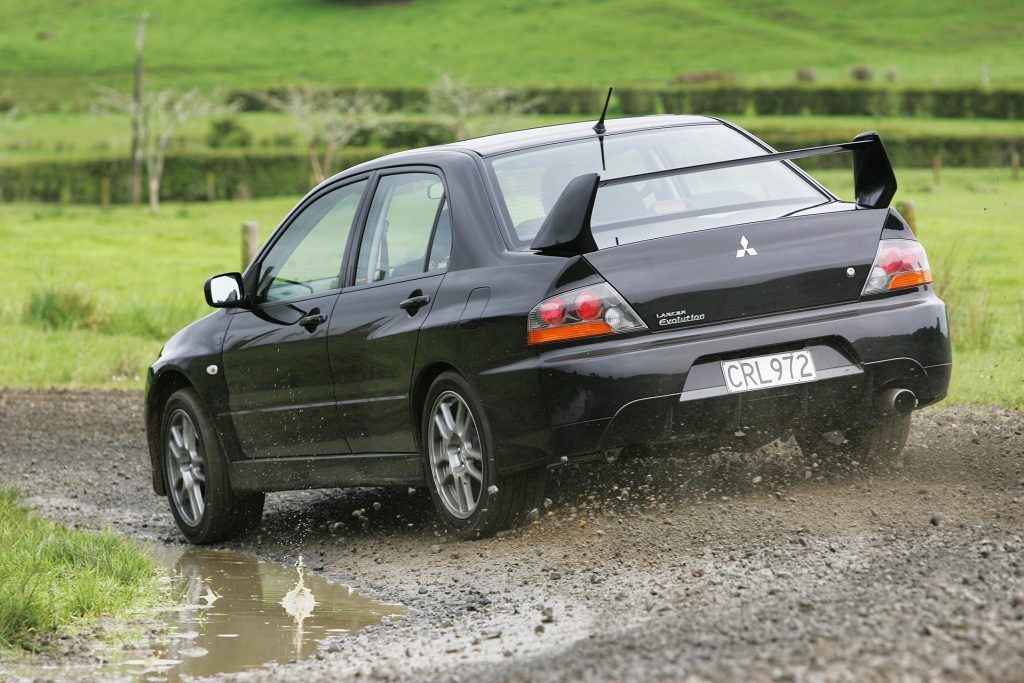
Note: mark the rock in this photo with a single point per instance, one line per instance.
(435, 549)
(756, 480)
(935, 519)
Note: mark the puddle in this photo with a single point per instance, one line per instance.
(239, 612)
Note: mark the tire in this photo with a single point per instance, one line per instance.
(203, 504)
(879, 441)
(472, 499)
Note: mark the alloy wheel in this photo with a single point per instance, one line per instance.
(186, 468)
(456, 455)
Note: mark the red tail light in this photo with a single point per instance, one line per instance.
(899, 264)
(585, 312)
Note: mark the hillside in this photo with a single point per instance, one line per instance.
(54, 58)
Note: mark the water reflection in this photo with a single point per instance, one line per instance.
(239, 612)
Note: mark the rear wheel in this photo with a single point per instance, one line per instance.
(472, 499)
(205, 507)
(878, 441)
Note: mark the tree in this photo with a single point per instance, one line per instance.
(166, 112)
(163, 115)
(137, 110)
(8, 112)
(456, 103)
(327, 121)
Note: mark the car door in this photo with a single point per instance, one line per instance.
(276, 366)
(401, 257)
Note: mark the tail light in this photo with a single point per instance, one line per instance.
(585, 312)
(899, 264)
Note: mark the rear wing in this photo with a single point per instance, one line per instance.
(566, 230)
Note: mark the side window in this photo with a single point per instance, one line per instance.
(399, 238)
(307, 258)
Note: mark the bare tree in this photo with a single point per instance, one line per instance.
(137, 110)
(166, 112)
(457, 103)
(327, 121)
(7, 120)
(163, 115)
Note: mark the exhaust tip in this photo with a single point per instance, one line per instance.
(897, 401)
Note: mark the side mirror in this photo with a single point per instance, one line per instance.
(224, 291)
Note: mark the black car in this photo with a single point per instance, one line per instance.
(467, 316)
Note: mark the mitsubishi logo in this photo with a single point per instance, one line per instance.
(745, 251)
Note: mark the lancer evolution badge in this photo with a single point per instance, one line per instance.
(745, 251)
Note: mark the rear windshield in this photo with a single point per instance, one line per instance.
(532, 180)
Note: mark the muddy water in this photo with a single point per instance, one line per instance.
(238, 612)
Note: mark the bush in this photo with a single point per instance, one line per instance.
(228, 132)
(862, 74)
(703, 77)
(61, 308)
(806, 74)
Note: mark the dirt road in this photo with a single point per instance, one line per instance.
(724, 567)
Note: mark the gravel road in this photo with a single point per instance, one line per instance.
(725, 567)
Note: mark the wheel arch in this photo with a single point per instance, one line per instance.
(161, 389)
(418, 395)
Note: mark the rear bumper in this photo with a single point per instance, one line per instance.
(578, 400)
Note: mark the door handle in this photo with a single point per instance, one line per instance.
(415, 303)
(312, 321)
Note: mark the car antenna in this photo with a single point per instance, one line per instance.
(599, 126)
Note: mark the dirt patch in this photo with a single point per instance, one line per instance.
(725, 567)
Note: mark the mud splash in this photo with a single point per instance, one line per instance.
(238, 612)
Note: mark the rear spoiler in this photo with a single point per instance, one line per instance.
(566, 230)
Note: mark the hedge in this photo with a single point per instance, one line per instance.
(249, 173)
(187, 176)
(826, 100)
(854, 100)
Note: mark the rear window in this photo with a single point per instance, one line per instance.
(530, 182)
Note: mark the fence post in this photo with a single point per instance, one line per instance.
(1015, 164)
(105, 192)
(936, 168)
(250, 242)
(211, 187)
(909, 213)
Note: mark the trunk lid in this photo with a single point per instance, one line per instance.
(786, 264)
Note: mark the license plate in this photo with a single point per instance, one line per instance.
(764, 372)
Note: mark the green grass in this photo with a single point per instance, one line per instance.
(970, 223)
(52, 52)
(145, 274)
(142, 276)
(55, 580)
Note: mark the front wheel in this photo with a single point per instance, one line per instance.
(471, 497)
(205, 507)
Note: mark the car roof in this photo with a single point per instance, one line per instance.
(532, 137)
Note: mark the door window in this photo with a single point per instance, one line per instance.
(307, 258)
(400, 237)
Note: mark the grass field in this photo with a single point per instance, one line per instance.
(140, 278)
(52, 57)
(54, 580)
